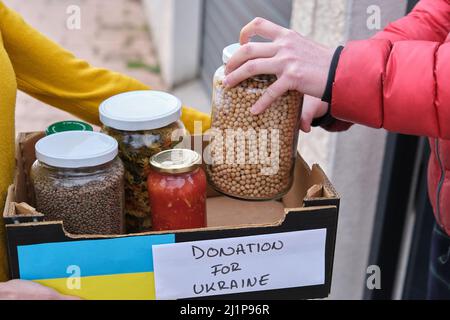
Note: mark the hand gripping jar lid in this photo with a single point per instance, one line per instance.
(229, 51)
(140, 110)
(76, 149)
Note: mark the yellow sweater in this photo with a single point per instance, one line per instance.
(34, 64)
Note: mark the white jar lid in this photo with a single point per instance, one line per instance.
(140, 110)
(76, 149)
(229, 51)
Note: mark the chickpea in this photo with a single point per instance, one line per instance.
(271, 143)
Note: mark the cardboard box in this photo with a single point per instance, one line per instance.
(250, 250)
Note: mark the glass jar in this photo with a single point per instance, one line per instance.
(253, 156)
(177, 190)
(143, 123)
(78, 179)
(70, 125)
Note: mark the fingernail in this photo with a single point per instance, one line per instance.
(225, 81)
(254, 110)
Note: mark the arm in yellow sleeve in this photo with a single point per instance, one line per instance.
(55, 76)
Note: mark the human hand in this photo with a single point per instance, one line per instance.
(299, 63)
(312, 108)
(28, 290)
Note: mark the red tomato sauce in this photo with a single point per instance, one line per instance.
(177, 201)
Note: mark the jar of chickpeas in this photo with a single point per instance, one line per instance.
(252, 157)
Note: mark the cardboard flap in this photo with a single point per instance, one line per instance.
(306, 179)
(316, 191)
(25, 157)
(15, 213)
(24, 209)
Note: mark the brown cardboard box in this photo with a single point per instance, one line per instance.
(41, 251)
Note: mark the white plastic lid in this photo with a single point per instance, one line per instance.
(229, 51)
(140, 110)
(76, 149)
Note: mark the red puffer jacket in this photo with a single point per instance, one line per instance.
(400, 80)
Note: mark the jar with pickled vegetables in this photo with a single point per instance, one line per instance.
(177, 190)
(69, 125)
(253, 156)
(144, 123)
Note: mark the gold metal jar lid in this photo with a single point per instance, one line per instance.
(175, 161)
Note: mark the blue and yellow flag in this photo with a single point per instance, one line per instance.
(120, 268)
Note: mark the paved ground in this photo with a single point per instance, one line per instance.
(113, 34)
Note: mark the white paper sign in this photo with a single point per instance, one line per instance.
(241, 264)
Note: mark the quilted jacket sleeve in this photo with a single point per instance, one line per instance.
(399, 79)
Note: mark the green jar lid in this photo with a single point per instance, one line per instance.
(68, 126)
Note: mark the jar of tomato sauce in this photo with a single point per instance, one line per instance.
(177, 190)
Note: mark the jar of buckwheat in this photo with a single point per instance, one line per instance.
(78, 179)
(252, 157)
